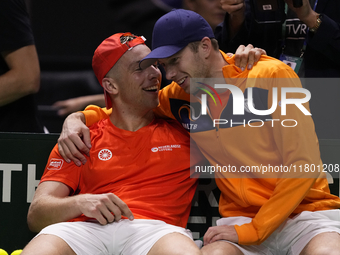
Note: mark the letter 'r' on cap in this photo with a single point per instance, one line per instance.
(173, 32)
(109, 52)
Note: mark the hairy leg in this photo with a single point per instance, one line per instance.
(47, 244)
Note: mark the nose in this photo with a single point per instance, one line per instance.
(154, 72)
(170, 72)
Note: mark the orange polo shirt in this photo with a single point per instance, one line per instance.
(148, 169)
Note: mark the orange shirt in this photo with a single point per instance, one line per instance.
(269, 201)
(148, 169)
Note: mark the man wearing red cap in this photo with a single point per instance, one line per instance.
(280, 213)
(133, 196)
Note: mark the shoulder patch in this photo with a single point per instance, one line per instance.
(55, 164)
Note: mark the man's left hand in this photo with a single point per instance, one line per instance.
(220, 233)
(246, 57)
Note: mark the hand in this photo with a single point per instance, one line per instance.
(224, 232)
(74, 139)
(247, 56)
(69, 106)
(305, 13)
(232, 6)
(78, 104)
(101, 207)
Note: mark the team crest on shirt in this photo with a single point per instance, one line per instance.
(55, 164)
(105, 154)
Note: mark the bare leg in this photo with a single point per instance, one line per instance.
(47, 244)
(323, 244)
(174, 244)
(220, 248)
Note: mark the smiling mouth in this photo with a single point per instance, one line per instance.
(151, 89)
(180, 82)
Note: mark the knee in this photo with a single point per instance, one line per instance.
(213, 252)
(324, 250)
(198, 252)
(186, 252)
(220, 248)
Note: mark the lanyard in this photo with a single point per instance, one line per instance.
(284, 31)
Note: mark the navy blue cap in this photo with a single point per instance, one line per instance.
(173, 32)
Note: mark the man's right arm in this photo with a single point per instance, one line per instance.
(52, 204)
(54, 200)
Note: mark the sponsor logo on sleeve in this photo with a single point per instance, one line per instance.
(55, 164)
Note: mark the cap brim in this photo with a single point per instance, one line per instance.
(160, 52)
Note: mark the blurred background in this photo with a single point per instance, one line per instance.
(66, 35)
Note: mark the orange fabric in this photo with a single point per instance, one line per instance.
(216, 109)
(269, 201)
(94, 113)
(148, 169)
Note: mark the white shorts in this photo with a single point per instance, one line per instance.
(123, 237)
(291, 236)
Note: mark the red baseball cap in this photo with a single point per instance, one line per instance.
(109, 52)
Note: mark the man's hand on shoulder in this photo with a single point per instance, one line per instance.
(247, 56)
(74, 139)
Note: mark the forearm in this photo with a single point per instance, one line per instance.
(95, 99)
(23, 77)
(50, 209)
(326, 40)
(287, 196)
(76, 116)
(14, 87)
(235, 21)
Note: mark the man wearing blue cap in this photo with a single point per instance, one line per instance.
(260, 215)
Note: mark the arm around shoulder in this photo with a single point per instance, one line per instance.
(94, 113)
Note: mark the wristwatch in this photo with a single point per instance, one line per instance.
(317, 25)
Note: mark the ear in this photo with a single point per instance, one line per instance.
(110, 86)
(205, 47)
